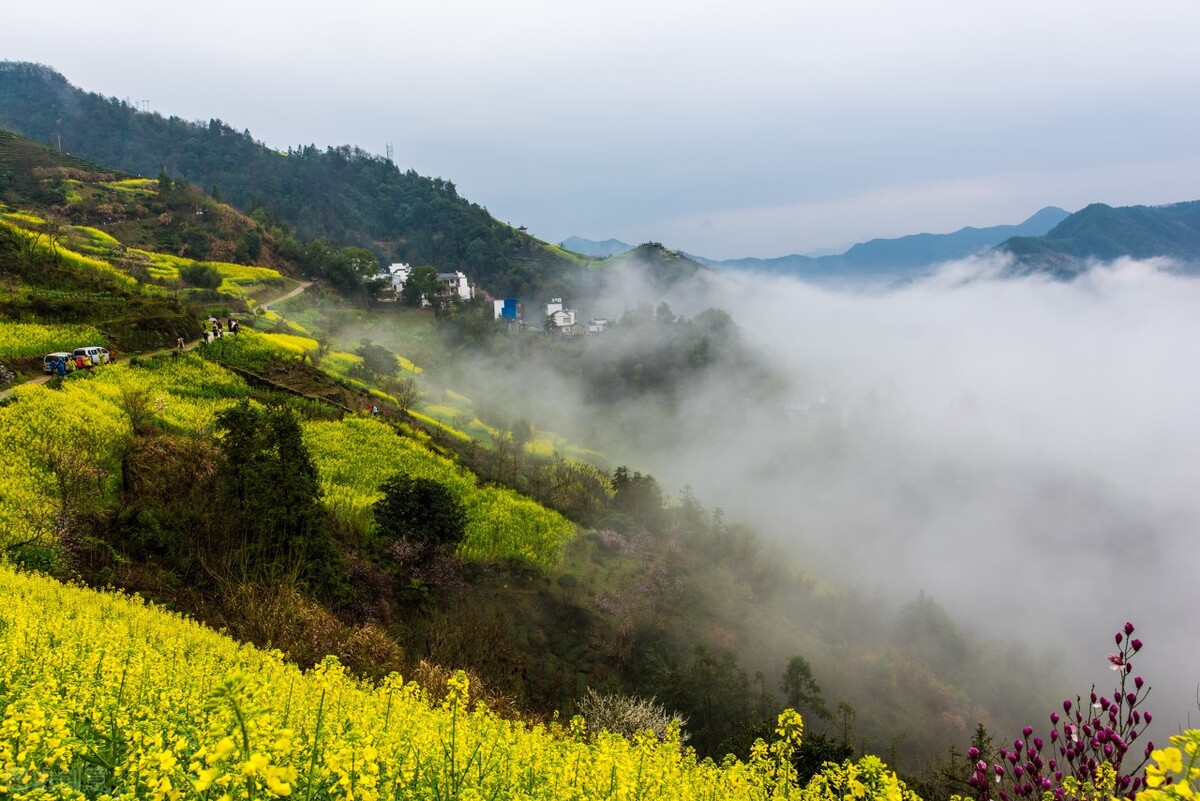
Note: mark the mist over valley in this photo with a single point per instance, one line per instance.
(1018, 448)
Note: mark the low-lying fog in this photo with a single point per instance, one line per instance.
(1026, 451)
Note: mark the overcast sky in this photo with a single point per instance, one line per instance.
(756, 128)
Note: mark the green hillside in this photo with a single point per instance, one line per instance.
(342, 194)
(1104, 232)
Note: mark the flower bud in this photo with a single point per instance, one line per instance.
(1028, 730)
(1148, 717)
(1054, 718)
(1037, 743)
(1138, 682)
(1128, 628)
(1066, 706)
(973, 752)
(1137, 644)
(1119, 637)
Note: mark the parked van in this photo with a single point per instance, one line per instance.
(92, 355)
(49, 359)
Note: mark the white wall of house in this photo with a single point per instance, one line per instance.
(456, 283)
(399, 273)
(563, 318)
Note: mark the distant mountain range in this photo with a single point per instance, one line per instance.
(878, 258)
(1051, 240)
(882, 258)
(600, 250)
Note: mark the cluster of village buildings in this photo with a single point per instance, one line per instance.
(558, 319)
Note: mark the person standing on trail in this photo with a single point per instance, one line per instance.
(179, 343)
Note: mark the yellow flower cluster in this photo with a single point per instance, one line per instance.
(104, 697)
(21, 218)
(868, 778)
(291, 343)
(141, 185)
(32, 339)
(1175, 773)
(243, 274)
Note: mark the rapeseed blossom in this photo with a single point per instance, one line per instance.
(106, 697)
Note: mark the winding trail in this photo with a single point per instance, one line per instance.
(42, 379)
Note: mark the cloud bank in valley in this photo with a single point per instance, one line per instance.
(1022, 449)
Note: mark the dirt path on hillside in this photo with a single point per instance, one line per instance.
(42, 379)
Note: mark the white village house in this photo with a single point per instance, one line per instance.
(561, 320)
(455, 284)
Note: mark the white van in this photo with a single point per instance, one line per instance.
(50, 358)
(92, 355)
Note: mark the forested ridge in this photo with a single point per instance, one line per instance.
(342, 194)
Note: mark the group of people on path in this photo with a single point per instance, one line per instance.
(215, 330)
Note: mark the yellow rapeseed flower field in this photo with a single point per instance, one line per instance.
(105, 697)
